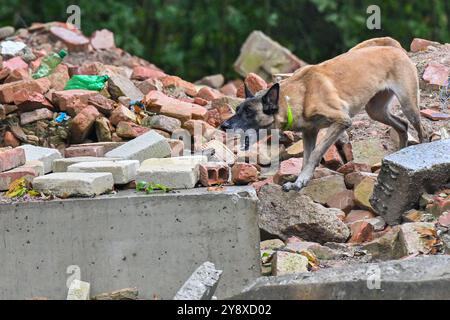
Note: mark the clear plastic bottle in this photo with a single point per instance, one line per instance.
(49, 63)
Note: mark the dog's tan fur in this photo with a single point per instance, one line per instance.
(329, 94)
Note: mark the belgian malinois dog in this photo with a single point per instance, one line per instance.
(329, 94)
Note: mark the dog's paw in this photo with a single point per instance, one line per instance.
(297, 185)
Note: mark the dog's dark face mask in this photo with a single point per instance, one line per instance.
(256, 112)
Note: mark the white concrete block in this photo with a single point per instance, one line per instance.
(146, 146)
(175, 173)
(61, 165)
(46, 155)
(72, 184)
(123, 171)
(79, 290)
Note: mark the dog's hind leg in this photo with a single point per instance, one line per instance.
(378, 110)
(333, 133)
(409, 102)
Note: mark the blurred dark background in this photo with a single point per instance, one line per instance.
(193, 38)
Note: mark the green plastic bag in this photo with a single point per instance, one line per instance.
(86, 82)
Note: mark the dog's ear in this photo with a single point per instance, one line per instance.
(248, 93)
(270, 99)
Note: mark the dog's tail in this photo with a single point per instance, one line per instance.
(378, 42)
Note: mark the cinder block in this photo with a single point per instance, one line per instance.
(46, 155)
(71, 184)
(406, 175)
(146, 146)
(123, 171)
(175, 173)
(61, 165)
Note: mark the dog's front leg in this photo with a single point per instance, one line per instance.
(332, 135)
(309, 143)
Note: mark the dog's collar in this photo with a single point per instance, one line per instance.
(290, 116)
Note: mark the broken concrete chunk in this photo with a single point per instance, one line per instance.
(119, 86)
(407, 174)
(46, 155)
(418, 237)
(320, 190)
(146, 146)
(123, 171)
(386, 247)
(284, 214)
(79, 290)
(61, 165)
(370, 151)
(265, 57)
(289, 263)
(123, 294)
(201, 285)
(72, 184)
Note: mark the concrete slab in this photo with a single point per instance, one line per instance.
(406, 175)
(71, 184)
(175, 173)
(152, 242)
(419, 278)
(46, 155)
(123, 171)
(61, 165)
(146, 146)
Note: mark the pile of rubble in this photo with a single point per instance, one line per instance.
(152, 131)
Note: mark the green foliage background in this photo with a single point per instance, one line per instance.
(193, 38)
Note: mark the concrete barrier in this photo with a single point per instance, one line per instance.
(152, 242)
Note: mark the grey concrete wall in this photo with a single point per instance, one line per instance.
(151, 242)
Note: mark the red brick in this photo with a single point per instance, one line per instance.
(73, 41)
(7, 177)
(103, 104)
(82, 124)
(199, 112)
(289, 171)
(143, 73)
(29, 101)
(420, 44)
(130, 130)
(158, 102)
(434, 115)
(11, 158)
(362, 231)
(254, 84)
(15, 63)
(258, 185)
(8, 90)
(59, 77)
(200, 101)
(214, 173)
(350, 167)
(102, 39)
(358, 215)
(229, 90)
(344, 200)
(177, 82)
(11, 140)
(208, 94)
(18, 75)
(436, 74)
(36, 115)
(72, 101)
(244, 173)
(149, 85)
(444, 219)
(197, 126)
(332, 158)
(122, 113)
(347, 149)
(88, 151)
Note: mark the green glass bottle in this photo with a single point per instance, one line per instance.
(49, 63)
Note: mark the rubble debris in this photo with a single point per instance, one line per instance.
(79, 290)
(289, 263)
(74, 184)
(146, 146)
(244, 173)
(214, 173)
(175, 173)
(11, 158)
(123, 294)
(419, 238)
(406, 175)
(201, 285)
(416, 278)
(292, 214)
(322, 189)
(123, 171)
(46, 155)
(265, 57)
(62, 164)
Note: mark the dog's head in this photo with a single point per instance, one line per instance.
(256, 112)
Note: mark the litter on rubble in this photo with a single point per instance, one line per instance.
(49, 63)
(86, 82)
(62, 116)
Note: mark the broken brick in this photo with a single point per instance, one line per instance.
(244, 173)
(362, 231)
(332, 158)
(72, 101)
(177, 82)
(143, 73)
(102, 39)
(130, 130)
(83, 123)
(36, 115)
(11, 158)
(87, 151)
(74, 41)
